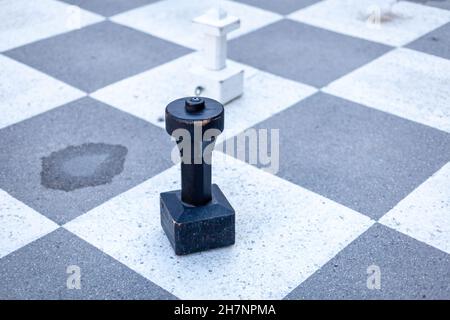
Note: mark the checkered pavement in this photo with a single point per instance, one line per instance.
(364, 177)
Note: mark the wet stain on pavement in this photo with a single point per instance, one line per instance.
(86, 165)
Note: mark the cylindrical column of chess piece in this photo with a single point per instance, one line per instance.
(198, 121)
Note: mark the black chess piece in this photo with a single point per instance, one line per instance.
(198, 217)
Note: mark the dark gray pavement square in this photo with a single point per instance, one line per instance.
(93, 57)
(436, 42)
(363, 158)
(303, 53)
(408, 269)
(443, 4)
(280, 6)
(71, 159)
(40, 271)
(108, 8)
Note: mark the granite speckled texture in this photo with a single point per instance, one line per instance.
(368, 20)
(83, 57)
(408, 270)
(400, 88)
(101, 276)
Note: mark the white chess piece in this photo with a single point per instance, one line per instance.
(219, 81)
(385, 6)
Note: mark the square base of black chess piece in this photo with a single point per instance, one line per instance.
(196, 228)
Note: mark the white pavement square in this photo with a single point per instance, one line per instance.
(147, 94)
(284, 233)
(425, 213)
(359, 18)
(404, 82)
(172, 19)
(26, 92)
(24, 21)
(19, 224)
